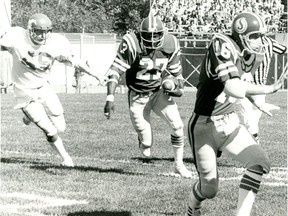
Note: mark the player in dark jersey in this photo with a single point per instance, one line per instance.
(144, 57)
(214, 125)
(249, 113)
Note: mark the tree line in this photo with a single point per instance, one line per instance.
(77, 16)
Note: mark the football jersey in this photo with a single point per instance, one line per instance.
(272, 46)
(220, 64)
(32, 63)
(143, 67)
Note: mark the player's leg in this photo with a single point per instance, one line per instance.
(253, 125)
(36, 113)
(55, 112)
(140, 117)
(167, 109)
(54, 108)
(251, 115)
(243, 148)
(204, 149)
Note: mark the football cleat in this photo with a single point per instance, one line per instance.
(183, 171)
(68, 162)
(146, 152)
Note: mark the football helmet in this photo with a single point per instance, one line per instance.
(40, 28)
(152, 32)
(247, 31)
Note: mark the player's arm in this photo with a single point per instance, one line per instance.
(84, 67)
(7, 37)
(174, 68)
(240, 89)
(119, 66)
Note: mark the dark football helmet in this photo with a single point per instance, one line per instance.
(40, 28)
(152, 32)
(247, 30)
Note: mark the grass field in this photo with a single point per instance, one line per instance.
(110, 177)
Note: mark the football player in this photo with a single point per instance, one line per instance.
(214, 124)
(144, 57)
(34, 51)
(249, 113)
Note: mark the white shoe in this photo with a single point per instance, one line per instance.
(146, 152)
(183, 171)
(26, 120)
(68, 162)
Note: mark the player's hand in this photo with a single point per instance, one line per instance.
(247, 77)
(101, 79)
(108, 109)
(175, 93)
(267, 108)
(277, 85)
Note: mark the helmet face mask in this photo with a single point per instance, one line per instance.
(248, 30)
(253, 42)
(152, 32)
(40, 28)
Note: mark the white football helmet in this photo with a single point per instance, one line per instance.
(40, 28)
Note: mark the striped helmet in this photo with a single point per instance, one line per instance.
(152, 32)
(247, 27)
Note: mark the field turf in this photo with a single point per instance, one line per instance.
(110, 177)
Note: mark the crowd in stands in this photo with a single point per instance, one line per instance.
(195, 17)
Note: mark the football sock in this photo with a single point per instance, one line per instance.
(249, 186)
(59, 148)
(195, 198)
(178, 148)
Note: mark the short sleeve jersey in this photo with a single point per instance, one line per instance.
(219, 65)
(32, 63)
(144, 67)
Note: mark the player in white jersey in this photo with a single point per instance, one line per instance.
(34, 50)
(249, 113)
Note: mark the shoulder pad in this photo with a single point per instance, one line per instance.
(170, 44)
(222, 43)
(133, 40)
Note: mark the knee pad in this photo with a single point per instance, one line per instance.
(59, 122)
(209, 190)
(177, 129)
(34, 111)
(259, 161)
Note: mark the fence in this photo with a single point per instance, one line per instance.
(193, 52)
(100, 50)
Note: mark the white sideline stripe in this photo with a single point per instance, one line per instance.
(48, 201)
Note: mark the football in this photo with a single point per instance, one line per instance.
(169, 83)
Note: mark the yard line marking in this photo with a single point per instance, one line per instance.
(47, 201)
